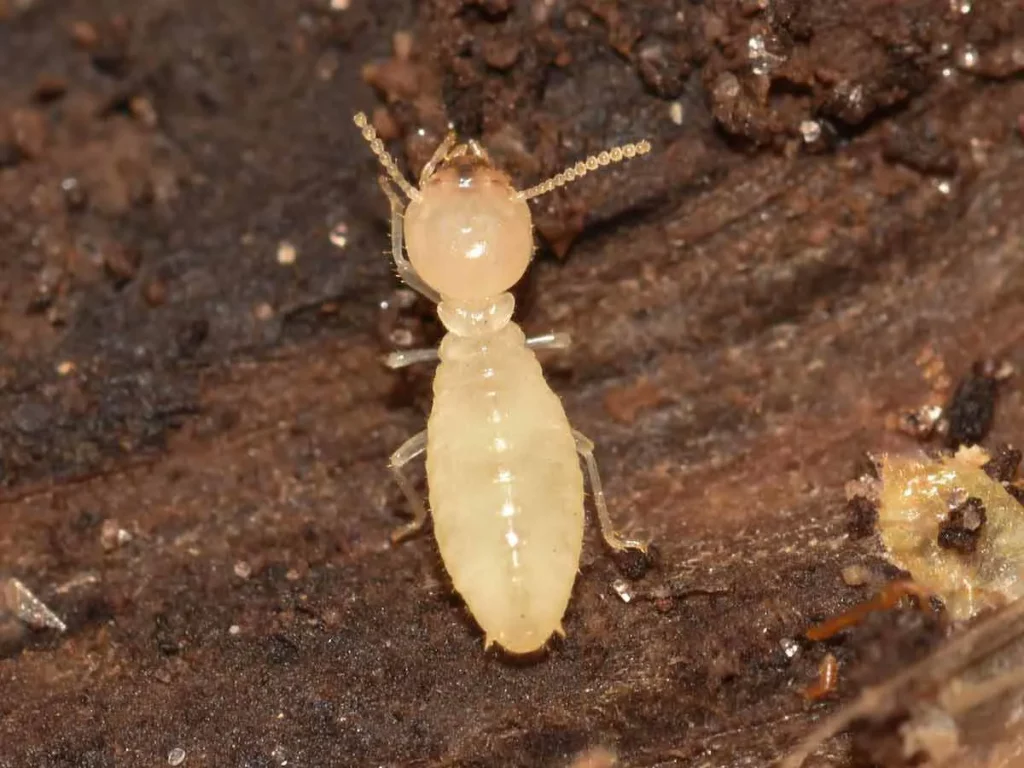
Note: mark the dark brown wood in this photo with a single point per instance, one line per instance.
(749, 304)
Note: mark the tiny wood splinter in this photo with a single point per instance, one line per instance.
(505, 486)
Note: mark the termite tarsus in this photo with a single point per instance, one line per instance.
(504, 480)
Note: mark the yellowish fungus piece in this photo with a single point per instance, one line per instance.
(923, 499)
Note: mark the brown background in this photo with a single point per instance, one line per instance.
(750, 310)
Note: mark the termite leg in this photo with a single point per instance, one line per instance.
(550, 341)
(585, 448)
(407, 357)
(405, 270)
(408, 451)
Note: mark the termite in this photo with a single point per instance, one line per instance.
(828, 679)
(504, 481)
(889, 597)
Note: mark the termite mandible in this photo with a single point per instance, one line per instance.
(503, 463)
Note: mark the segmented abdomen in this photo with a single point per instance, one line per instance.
(506, 495)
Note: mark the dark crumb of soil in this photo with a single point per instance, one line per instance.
(866, 467)
(971, 410)
(861, 517)
(962, 529)
(635, 563)
(1002, 467)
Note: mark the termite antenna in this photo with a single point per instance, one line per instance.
(582, 168)
(440, 155)
(377, 147)
(477, 149)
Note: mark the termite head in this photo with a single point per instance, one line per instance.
(469, 233)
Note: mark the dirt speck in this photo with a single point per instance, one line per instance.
(963, 528)
(1003, 464)
(625, 403)
(861, 517)
(971, 410)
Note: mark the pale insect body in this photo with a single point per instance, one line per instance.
(503, 463)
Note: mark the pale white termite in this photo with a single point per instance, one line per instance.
(503, 470)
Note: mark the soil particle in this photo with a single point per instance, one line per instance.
(962, 529)
(664, 67)
(1003, 464)
(31, 417)
(921, 149)
(155, 292)
(856, 575)
(192, 336)
(861, 517)
(971, 410)
(9, 155)
(28, 131)
(634, 563)
(502, 54)
(625, 403)
(121, 263)
(84, 34)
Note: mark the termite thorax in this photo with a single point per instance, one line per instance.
(477, 318)
(478, 329)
